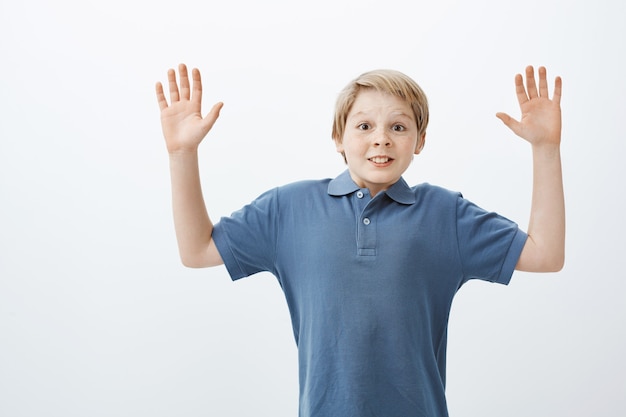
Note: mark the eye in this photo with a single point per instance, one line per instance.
(364, 126)
(398, 128)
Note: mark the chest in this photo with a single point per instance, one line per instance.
(357, 229)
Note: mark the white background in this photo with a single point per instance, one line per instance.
(98, 317)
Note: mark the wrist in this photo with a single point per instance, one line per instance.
(183, 157)
(182, 152)
(547, 151)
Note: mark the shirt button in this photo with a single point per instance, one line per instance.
(366, 221)
(359, 194)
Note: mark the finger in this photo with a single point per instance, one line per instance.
(161, 96)
(171, 78)
(506, 119)
(520, 91)
(510, 122)
(543, 82)
(557, 90)
(184, 82)
(531, 86)
(197, 86)
(212, 115)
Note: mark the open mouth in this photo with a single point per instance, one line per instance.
(380, 159)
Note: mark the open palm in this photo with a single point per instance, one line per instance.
(181, 120)
(540, 123)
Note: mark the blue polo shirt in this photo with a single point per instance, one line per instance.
(369, 283)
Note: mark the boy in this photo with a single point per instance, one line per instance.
(369, 266)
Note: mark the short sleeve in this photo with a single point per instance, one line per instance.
(246, 240)
(489, 244)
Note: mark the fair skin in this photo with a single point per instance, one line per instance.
(379, 143)
(184, 127)
(540, 125)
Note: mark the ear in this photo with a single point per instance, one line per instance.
(341, 150)
(338, 146)
(420, 144)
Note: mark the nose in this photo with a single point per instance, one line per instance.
(382, 140)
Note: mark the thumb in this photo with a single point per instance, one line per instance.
(212, 115)
(510, 122)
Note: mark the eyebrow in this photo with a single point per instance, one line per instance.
(410, 115)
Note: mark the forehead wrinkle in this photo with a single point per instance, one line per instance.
(393, 114)
(365, 104)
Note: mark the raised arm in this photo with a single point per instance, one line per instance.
(540, 125)
(184, 128)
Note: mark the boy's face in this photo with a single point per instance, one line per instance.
(379, 140)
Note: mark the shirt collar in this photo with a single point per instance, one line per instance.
(344, 185)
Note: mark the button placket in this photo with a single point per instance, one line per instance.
(366, 229)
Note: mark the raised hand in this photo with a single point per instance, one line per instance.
(182, 122)
(540, 123)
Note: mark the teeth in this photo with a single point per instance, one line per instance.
(380, 159)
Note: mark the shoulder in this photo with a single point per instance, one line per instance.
(292, 190)
(302, 188)
(443, 200)
(296, 194)
(426, 192)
